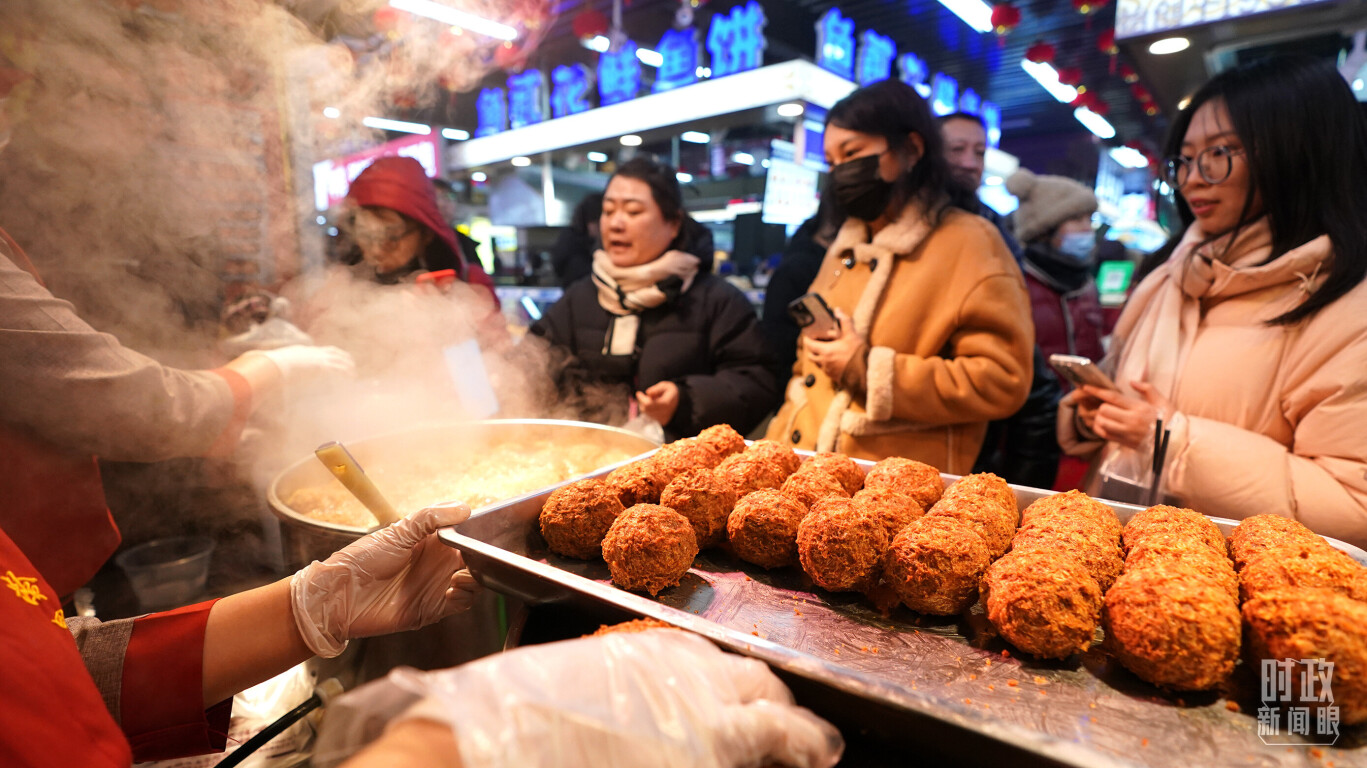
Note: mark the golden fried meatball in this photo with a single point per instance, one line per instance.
(631, 627)
(919, 481)
(746, 473)
(684, 455)
(649, 547)
(576, 517)
(1300, 623)
(1044, 603)
(1305, 565)
(1074, 504)
(705, 500)
(897, 510)
(763, 528)
(985, 515)
(841, 467)
(1264, 532)
(639, 482)
(840, 545)
(777, 454)
(935, 564)
(808, 486)
(1081, 537)
(1174, 520)
(1178, 553)
(1171, 629)
(989, 486)
(722, 439)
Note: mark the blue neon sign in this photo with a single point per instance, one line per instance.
(491, 112)
(992, 116)
(944, 94)
(970, 102)
(913, 71)
(736, 39)
(679, 49)
(619, 75)
(570, 84)
(526, 98)
(835, 43)
(874, 61)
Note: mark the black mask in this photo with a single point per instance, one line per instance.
(859, 190)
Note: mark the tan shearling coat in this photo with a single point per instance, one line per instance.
(946, 317)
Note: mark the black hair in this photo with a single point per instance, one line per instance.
(969, 116)
(663, 181)
(892, 109)
(1311, 172)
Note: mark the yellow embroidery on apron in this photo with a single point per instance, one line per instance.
(25, 587)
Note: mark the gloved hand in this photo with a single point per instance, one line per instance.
(657, 698)
(300, 364)
(395, 579)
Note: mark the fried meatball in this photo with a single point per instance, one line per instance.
(985, 515)
(631, 627)
(1172, 629)
(839, 466)
(1078, 536)
(1263, 532)
(763, 528)
(780, 456)
(989, 486)
(684, 455)
(1304, 566)
(639, 482)
(1074, 504)
(895, 509)
(746, 473)
(808, 486)
(1164, 519)
(919, 481)
(1044, 603)
(1179, 552)
(840, 545)
(705, 500)
(649, 547)
(935, 564)
(1298, 623)
(576, 517)
(722, 439)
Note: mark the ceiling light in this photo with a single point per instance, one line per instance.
(599, 43)
(321, 220)
(791, 109)
(448, 15)
(1047, 76)
(521, 161)
(630, 140)
(703, 71)
(975, 13)
(1357, 84)
(334, 113)
(683, 178)
(764, 163)
(1094, 123)
(743, 158)
(384, 123)
(1186, 100)
(597, 157)
(479, 177)
(650, 58)
(1129, 157)
(1169, 45)
(455, 134)
(992, 181)
(695, 137)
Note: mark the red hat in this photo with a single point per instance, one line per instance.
(401, 184)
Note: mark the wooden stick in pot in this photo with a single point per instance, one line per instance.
(344, 467)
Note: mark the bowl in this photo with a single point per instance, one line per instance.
(167, 573)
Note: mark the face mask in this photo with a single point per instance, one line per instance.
(858, 189)
(1077, 245)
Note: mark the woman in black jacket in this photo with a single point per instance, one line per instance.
(651, 328)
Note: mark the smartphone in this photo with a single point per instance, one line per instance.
(813, 316)
(1080, 370)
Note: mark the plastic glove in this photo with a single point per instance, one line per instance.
(656, 698)
(395, 579)
(300, 365)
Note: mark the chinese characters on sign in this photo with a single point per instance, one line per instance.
(736, 40)
(678, 51)
(874, 62)
(491, 111)
(619, 75)
(570, 85)
(835, 43)
(1297, 703)
(914, 72)
(944, 94)
(526, 98)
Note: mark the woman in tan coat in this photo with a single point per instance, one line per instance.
(1250, 342)
(935, 338)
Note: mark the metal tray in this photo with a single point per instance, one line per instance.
(945, 690)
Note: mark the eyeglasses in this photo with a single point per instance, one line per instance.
(1214, 164)
(382, 237)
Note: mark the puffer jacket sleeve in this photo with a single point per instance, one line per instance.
(742, 389)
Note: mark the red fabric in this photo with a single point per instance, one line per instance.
(1083, 313)
(163, 687)
(52, 713)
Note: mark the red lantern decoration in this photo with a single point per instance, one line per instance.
(1088, 7)
(1151, 109)
(510, 56)
(1141, 94)
(1070, 75)
(1040, 53)
(1105, 42)
(589, 24)
(1005, 17)
(1128, 74)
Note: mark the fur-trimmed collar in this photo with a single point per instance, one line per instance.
(909, 226)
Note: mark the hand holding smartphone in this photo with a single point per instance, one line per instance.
(1081, 371)
(814, 316)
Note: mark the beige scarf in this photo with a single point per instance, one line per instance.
(625, 292)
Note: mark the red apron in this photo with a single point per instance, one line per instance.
(51, 500)
(52, 713)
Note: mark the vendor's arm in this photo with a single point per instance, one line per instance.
(418, 743)
(742, 389)
(987, 376)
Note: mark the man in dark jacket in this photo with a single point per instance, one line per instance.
(794, 275)
(965, 139)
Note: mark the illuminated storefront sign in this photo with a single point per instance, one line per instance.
(679, 53)
(736, 41)
(570, 85)
(914, 72)
(491, 111)
(619, 75)
(526, 98)
(1143, 17)
(835, 43)
(874, 61)
(944, 94)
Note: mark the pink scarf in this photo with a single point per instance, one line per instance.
(625, 292)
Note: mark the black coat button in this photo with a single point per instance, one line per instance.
(810, 380)
(848, 261)
(797, 436)
(873, 265)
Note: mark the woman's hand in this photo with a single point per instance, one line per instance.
(659, 401)
(1124, 419)
(834, 354)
